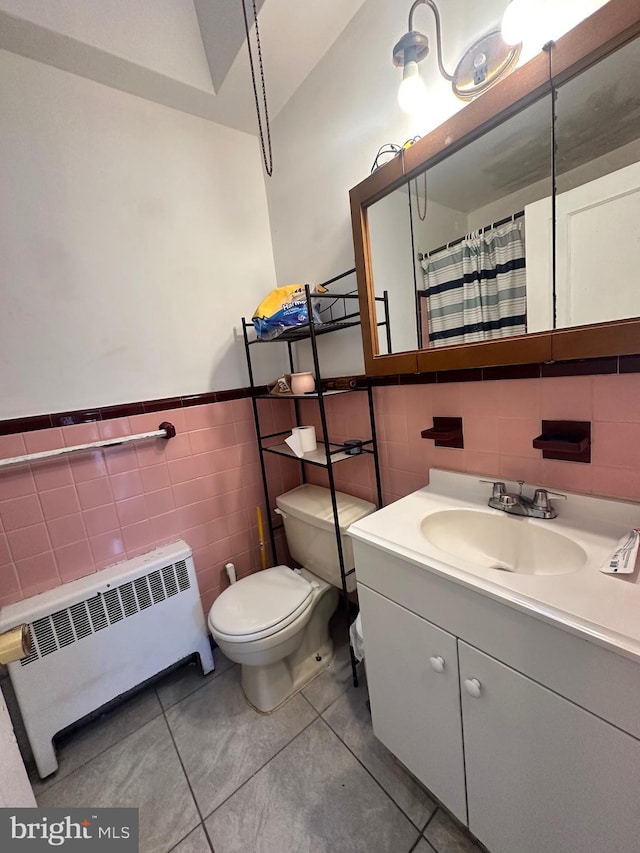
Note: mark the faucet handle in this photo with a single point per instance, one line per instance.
(541, 498)
(498, 487)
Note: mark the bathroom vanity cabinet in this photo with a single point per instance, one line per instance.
(529, 734)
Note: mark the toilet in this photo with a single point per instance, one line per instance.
(275, 623)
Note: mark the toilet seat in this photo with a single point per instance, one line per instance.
(260, 605)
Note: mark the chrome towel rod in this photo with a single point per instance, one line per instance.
(165, 430)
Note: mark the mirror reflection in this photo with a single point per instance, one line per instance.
(598, 192)
(464, 250)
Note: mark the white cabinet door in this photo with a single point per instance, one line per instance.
(412, 673)
(542, 773)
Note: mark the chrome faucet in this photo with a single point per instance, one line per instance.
(518, 504)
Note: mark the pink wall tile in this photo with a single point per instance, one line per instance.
(5, 555)
(519, 468)
(478, 462)
(138, 538)
(616, 482)
(107, 548)
(126, 485)
(66, 530)
(58, 502)
(52, 475)
(12, 445)
(10, 590)
(617, 398)
(28, 541)
(154, 478)
(88, 466)
(481, 434)
(573, 476)
(446, 399)
(74, 561)
(37, 573)
(519, 398)
(43, 439)
(132, 511)
(121, 459)
(516, 437)
(159, 502)
(94, 493)
(114, 428)
(616, 445)
(16, 482)
(480, 400)
(567, 398)
(80, 434)
(20, 512)
(102, 519)
(181, 470)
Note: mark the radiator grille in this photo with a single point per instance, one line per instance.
(64, 627)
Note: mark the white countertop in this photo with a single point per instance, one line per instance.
(599, 607)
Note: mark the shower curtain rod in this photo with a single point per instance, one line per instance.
(165, 430)
(448, 245)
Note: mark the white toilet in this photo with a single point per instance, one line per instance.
(275, 623)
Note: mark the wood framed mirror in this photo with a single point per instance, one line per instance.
(464, 177)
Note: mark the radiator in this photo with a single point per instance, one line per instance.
(100, 636)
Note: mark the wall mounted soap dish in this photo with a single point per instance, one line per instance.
(446, 432)
(568, 441)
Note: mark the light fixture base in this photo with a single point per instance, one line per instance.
(413, 46)
(483, 64)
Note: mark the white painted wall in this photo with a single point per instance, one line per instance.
(133, 239)
(162, 35)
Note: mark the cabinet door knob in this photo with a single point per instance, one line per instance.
(437, 663)
(473, 687)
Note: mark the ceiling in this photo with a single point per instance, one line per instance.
(186, 54)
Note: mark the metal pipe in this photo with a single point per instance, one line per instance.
(165, 430)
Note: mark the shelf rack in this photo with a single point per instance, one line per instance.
(328, 453)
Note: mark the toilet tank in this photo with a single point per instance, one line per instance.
(311, 533)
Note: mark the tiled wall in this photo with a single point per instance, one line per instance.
(61, 520)
(500, 420)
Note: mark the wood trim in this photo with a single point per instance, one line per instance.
(529, 349)
(617, 338)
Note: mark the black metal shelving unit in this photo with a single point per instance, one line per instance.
(329, 453)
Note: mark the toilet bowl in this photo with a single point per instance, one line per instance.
(275, 623)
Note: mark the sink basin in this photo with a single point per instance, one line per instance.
(502, 542)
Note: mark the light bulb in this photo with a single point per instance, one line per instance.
(516, 20)
(412, 94)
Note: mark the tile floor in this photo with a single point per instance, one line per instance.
(210, 774)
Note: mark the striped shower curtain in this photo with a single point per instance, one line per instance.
(476, 290)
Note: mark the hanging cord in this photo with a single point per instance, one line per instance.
(421, 215)
(268, 161)
(548, 47)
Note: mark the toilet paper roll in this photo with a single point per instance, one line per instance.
(306, 436)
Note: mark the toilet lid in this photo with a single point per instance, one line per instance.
(265, 600)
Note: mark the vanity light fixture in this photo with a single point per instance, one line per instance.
(483, 64)
(515, 21)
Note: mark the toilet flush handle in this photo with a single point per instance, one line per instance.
(280, 512)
